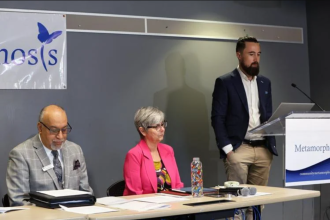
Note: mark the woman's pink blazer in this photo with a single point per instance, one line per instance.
(139, 171)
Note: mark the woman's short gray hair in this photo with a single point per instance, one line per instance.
(147, 116)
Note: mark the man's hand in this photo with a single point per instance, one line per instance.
(230, 153)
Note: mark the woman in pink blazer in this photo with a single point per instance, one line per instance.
(150, 166)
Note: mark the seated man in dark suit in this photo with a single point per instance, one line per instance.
(242, 100)
(46, 161)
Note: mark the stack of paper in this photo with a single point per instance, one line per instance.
(257, 194)
(64, 192)
(161, 199)
(8, 209)
(87, 210)
(140, 206)
(111, 200)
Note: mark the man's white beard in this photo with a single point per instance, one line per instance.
(54, 147)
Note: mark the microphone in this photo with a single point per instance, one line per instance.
(245, 191)
(295, 86)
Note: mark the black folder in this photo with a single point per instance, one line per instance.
(52, 202)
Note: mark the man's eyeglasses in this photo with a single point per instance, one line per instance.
(157, 127)
(54, 130)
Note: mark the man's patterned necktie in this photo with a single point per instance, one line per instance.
(57, 167)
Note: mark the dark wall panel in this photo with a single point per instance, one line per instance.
(318, 37)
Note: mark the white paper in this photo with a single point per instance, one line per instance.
(140, 206)
(87, 210)
(257, 194)
(161, 199)
(8, 209)
(175, 196)
(111, 200)
(64, 192)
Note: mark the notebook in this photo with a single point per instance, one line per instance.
(188, 190)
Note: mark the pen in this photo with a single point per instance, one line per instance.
(177, 190)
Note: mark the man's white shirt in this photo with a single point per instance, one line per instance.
(252, 96)
(51, 156)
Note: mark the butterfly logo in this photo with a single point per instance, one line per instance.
(46, 38)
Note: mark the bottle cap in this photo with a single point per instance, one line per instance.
(196, 159)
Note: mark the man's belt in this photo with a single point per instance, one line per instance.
(255, 143)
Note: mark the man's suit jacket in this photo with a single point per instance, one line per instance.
(25, 174)
(230, 112)
(139, 170)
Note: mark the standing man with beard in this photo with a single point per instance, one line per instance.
(46, 161)
(242, 100)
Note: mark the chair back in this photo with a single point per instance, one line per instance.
(116, 189)
(5, 201)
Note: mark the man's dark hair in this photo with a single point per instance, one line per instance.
(241, 42)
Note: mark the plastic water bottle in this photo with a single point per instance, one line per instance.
(196, 178)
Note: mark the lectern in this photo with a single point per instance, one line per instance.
(306, 146)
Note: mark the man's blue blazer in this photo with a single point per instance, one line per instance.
(230, 112)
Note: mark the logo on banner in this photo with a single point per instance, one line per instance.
(46, 39)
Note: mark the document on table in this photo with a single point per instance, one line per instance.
(140, 206)
(257, 194)
(64, 192)
(9, 209)
(161, 199)
(111, 200)
(87, 210)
